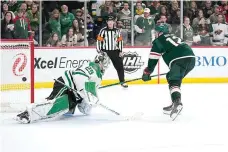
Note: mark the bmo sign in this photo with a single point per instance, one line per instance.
(211, 61)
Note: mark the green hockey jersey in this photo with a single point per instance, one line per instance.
(171, 48)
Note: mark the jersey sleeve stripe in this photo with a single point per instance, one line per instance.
(81, 71)
(68, 79)
(72, 79)
(154, 55)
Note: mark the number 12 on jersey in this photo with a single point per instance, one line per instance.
(174, 40)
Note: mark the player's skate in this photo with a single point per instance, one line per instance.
(167, 110)
(23, 117)
(177, 106)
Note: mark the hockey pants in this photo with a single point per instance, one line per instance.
(179, 69)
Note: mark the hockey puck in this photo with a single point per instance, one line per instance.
(24, 79)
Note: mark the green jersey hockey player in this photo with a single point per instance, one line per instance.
(180, 59)
(85, 80)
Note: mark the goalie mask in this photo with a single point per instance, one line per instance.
(103, 61)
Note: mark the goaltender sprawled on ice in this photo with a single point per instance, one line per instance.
(85, 80)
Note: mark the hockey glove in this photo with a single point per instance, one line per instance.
(146, 75)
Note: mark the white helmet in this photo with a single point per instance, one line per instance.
(103, 60)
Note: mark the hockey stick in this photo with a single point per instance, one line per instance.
(109, 85)
(137, 115)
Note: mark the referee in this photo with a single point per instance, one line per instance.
(110, 41)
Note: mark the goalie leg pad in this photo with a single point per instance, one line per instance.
(50, 109)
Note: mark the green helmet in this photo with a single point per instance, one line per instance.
(162, 28)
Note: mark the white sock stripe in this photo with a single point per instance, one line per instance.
(175, 89)
(172, 87)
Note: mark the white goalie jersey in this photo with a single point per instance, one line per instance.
(86, 80)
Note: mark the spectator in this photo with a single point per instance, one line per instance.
(54, 23)
(123, 32)
(219, 33)
(200, 26)
(79, 17)
(53, 41)
(154, 7)
(23, 8)
(34, 16)
(176, 20)
(96, 8)
(124, 18)
(117, 5)
(137, 4)
(14, 5)
(66, 19)
(7, 26)
(89, 19)
(145, 28)
(21, 26)
(5, 9)
(192, 11)
(174, 9)
(69, 39)
(162, 12)
(207, 9)
(108, 9)
(187, 32)
(214, 16)
(80, 20)
(33, 38)
(163, 19)
(29, 4)
(78, 32)
(139, 11)
(224, 9)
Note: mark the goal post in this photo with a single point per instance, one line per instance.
(17, 74)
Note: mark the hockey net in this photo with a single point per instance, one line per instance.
(17, 75)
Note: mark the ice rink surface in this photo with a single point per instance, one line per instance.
(201, 127)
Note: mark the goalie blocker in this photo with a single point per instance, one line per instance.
(62, 100)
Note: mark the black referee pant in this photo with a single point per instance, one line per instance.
(117, 62)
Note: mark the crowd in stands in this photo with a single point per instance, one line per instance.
(62, 23)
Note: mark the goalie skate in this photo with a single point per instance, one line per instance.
(23, 117)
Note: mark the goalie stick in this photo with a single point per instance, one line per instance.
(137, 115)
(133, 117)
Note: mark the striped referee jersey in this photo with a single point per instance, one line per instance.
(109, 39)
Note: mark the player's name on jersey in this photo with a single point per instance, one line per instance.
(58, 62)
